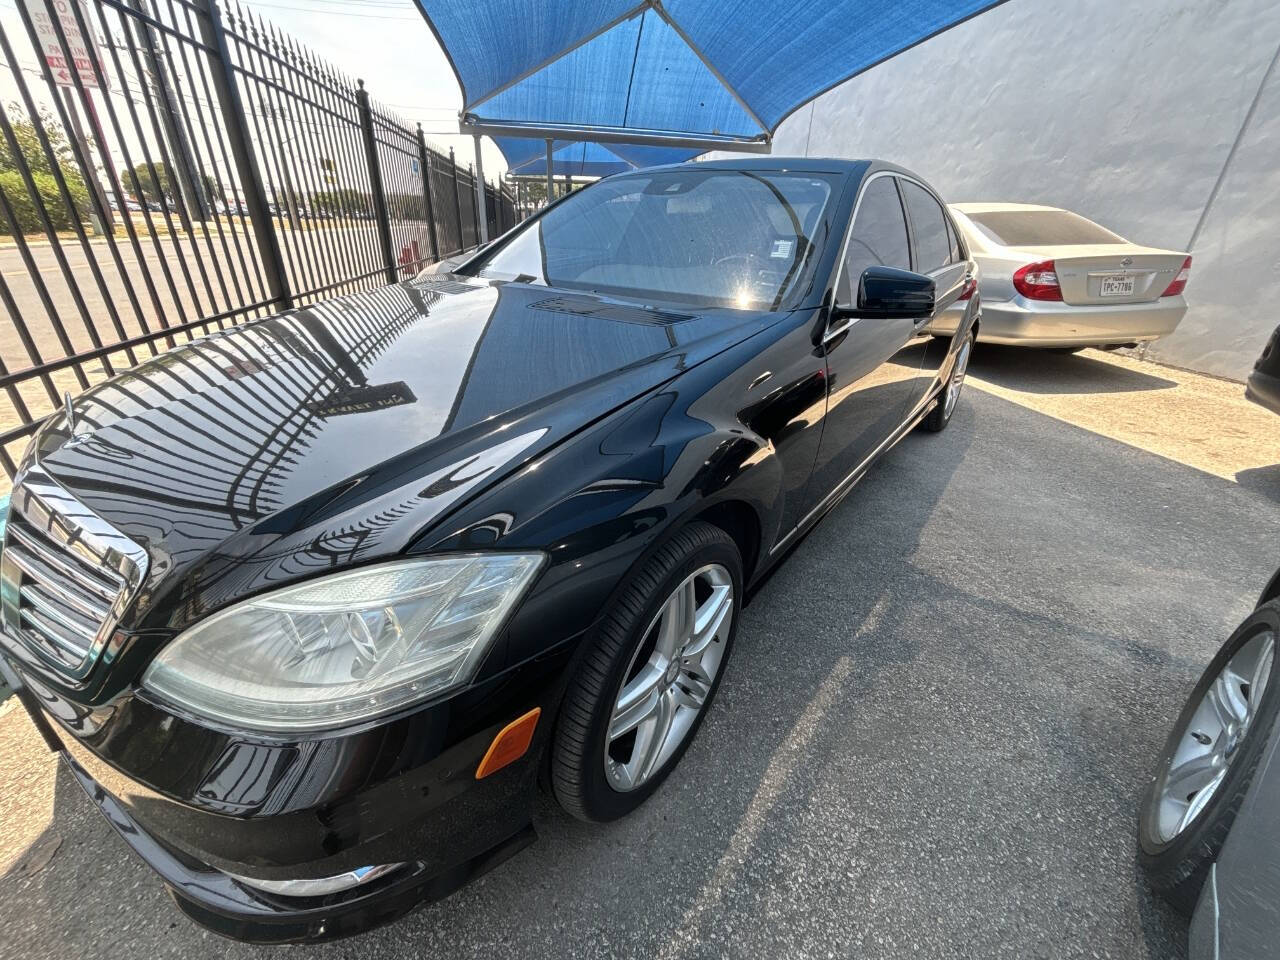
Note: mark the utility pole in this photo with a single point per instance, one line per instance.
(290, 195)
(185, 180)
(77, 131)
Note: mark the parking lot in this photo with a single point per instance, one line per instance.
(930, 741)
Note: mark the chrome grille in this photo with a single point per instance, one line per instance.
(66, 576)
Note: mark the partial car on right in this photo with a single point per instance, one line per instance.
(1209, 823)
(1208, 826)
(1053, 279)
(1263, 385)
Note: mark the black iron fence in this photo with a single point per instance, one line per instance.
(170, 167)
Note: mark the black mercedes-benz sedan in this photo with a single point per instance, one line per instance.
(312, 606)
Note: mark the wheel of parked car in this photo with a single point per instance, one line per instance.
(646, 683)
(940, 415)
(1206, 765)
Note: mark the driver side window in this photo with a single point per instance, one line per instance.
(878, 238)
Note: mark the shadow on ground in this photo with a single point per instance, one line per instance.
(930, 740)
(1041, 371)
(1263, 480)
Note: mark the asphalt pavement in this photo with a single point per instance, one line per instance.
(930, 740)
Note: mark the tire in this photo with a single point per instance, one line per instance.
(588, 769)
(942, 411)
(1177, 859)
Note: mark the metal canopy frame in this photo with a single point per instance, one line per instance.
(522, 171)
(630, 14)
(471, 124)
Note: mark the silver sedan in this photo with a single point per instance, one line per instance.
(1051, 278)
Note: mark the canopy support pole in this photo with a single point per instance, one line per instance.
(551, 182)
(480, 195)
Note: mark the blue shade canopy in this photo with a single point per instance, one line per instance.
(529, 157)
(658, 71)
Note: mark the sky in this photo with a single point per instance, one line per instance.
(388, 44)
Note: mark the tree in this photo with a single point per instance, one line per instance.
(341, 201)
(146, 183)
(147, 187)
(21, 201)
(533, 192)
(28, 138)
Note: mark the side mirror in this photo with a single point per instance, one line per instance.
(890, 292)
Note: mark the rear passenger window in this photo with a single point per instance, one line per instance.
(933, 244)
(878, 238)
(954, 240)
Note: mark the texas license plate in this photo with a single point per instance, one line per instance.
(1117, 286)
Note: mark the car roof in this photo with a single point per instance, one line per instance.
(997, 207)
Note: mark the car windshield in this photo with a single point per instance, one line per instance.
(729, 238)
(1040, 228)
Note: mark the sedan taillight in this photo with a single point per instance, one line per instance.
(970, 288)
(1180, 281)
(1038, 281)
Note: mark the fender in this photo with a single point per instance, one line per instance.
(1271, 591)
(601, 502)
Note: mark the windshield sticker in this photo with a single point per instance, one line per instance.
(781, 249)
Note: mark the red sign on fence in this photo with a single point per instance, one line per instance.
(82, 53)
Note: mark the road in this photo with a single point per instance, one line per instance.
(207, 274)
(930, 741)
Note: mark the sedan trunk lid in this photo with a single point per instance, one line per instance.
(1109, 273)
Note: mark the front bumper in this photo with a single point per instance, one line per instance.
(221, 904)
(1263, 389)
(198, 805)
(1022, 322)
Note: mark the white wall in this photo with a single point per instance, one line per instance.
(1126, 112)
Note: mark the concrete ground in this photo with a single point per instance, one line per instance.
(930, 742)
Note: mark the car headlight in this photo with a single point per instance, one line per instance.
(346, 647)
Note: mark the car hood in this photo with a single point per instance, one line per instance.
(338, 433)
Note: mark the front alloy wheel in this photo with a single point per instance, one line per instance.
(1209, 743)
(666, 691)
(1209, 759)
(648, 676)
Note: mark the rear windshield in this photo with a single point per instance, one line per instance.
(732, 238)
(1040, 228)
